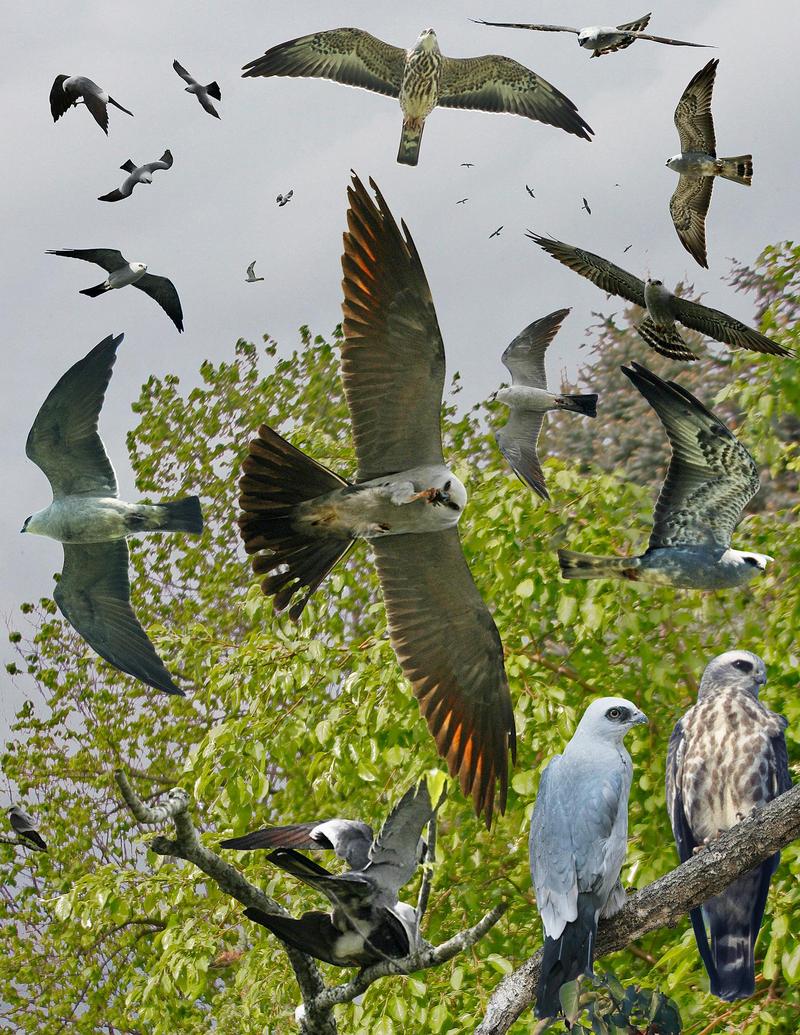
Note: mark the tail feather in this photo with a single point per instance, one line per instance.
(588, 566)
(410, 140)
(183, 515)
(98, 289)
(667, 341)
(118, 105)
(213, 91)
(585, 404)
(567, 957)
(738, 169)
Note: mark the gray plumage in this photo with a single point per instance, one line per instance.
(727, 756)
(202, 93)
(25, 827)
(528, 400)
(137, 174)
(578, 842)
(710, 480)
(284, 199)
(664, 309)
(351, 840)
(91, 522)
(68, 90)
(251, 277)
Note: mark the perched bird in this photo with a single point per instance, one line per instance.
(664, 309)
(422, 78)
(70, 89)
(121, 273)
(528, 400)
(710, 480)
(299, 518)
(91, 522)
(697, 164)
(350, 839)
(578, 841)
(495, 233)
(137, 174)
(585, 206)
(727, 757)
(284, 199)
(368, 923)
(463, 201)
(528, 189)
(202, 93)
(601, 39)
(251, 277)
(24, 826)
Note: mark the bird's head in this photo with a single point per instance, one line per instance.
(25, 524)
(674, 163)
(734, 670)
(610, 718)
(146, 178)
(652, 282)
(139, 267)
(427, 41)
(452, 495)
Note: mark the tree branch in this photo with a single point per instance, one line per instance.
(666, 901)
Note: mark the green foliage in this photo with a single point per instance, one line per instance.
(287, 722)
(603, 1006)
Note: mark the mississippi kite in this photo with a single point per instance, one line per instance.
(422, 79)
(137, 174)
(284, 199)
(299, 518)
(91, 522)
(251, 277)
(24, 826)
(710, 480)
(202, 93)
(70, 89)
(578, 841)
(727, 756)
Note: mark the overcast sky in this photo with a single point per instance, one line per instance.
(203, 221)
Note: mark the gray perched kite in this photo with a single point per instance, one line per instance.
(600, 39)
(121, 273)
(70, 89)
(137, 174)
(727, 756)
(367, 923)
(299, 519)
(578, 842)
(24, 826)
(710, 480)
(202, 93)
(664, 309)
(91, 522)
(422, 78)
(697, 164)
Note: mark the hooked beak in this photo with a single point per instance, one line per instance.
(641, 720)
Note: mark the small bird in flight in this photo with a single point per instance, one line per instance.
(585, 206)
(284, 199)
(202, 93)
(463, 201)
(137, 174)
(530, 191)
(468, 165)
(70, 89)
(24, 827)
(251, 277)
(627, 248)
(496, 233)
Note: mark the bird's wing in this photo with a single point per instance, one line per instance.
(117, 195)
(688, 207)
(93, 594)
(693, 115)
(205, 102)
(496, 83)
(295, 835)
(349, 56)
(718, 325)
(552, 861)
(450, 651)
(612, 279)
(251, 268)
(183, 73)
(60, 100)
(63, 441)
(666, 39)
(350, 839)
(526, 25)
(394, 855)
(21, 821)
(781, 777)
(524, 357)
(635, 26)
(164, 162)
(313, 933)
(517, 440)
(108, 259)
(392, 354)
(711, 475)
(351, 890)
(162, 291)
(684, 838)
(98, 108)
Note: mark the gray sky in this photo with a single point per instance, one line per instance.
(204, 220)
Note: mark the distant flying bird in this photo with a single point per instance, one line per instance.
(601, 39)
(578, 842)
(251, 277)
(368, 923)
(24, 826)
(711, 478)
(91, 522)
(284, 199)
(462, 202)
(468, 165)
(496, 233)
(121, 273)
(202, 93)
(586, 206)
(137, 174)
(528, 400)
(299, 519)
(422, 78)
(698, 164)
(727, 757)
(528, 189)
(627, 248)
(70, 89)
(664, 309)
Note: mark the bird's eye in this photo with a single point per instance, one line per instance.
(447, 486)
(742, 665)
(617, 714)
(752, 561)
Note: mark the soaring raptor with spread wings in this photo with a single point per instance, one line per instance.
(422, 78)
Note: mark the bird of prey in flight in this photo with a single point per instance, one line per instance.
(284, 199)
(463, 201)
(368, 923)
(578, 842)
(528, 189)
(585, 206)
(251, 277)
(299, 519)
(710, 480)
(121, 273)
(91, 522)
(495, 233)
(422, 79)
(202, 93)
(71, 89)
(137, 174)
(727, 756)
(664, 309)
(697, 164)
(528, 399)
(468, 165)
(24, 826)
(600, 39)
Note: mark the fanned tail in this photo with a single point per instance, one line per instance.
(739, 169)
(666, 340)
(183, 516)
(98, 289)
(410, 140)
(585, 404)
(587, 566)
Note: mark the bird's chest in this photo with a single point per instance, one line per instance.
(78, 520)
(419, 88)
(659, 306)
(695, 164)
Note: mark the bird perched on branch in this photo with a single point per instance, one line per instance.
(24, 826)
(69, 90)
